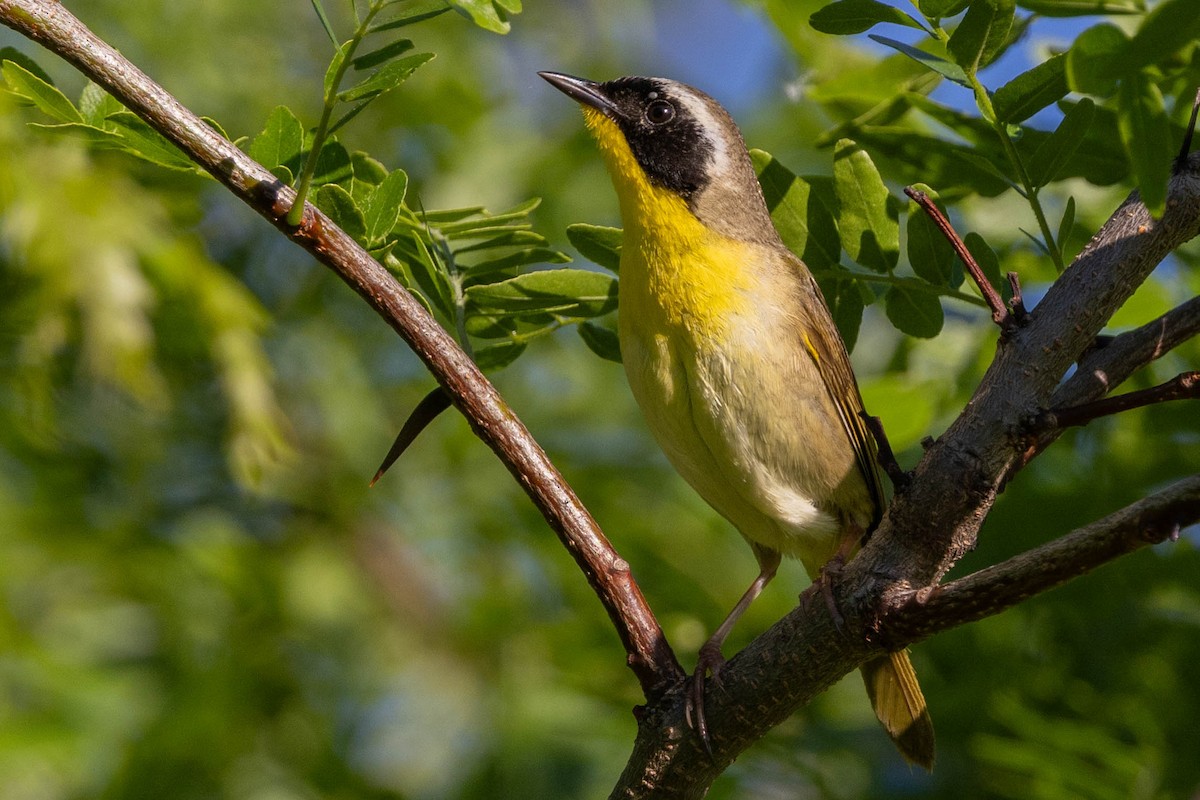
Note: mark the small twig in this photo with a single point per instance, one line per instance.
(1000, 315)
(1017, 303)
(1185, 149)
(1152, 520)
(1182, 387)
(884, 454)
(426, 412)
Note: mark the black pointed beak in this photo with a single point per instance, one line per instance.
(583, 91)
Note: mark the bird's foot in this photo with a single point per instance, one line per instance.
(825, 580)
(708, 663)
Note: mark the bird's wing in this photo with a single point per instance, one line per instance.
(828, 351)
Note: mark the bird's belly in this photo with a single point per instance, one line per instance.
(709, 405)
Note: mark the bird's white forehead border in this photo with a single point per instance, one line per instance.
(701, 110)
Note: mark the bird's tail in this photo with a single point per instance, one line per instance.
(900, 706)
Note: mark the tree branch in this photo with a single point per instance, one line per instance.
(650, 657)
(1182, 387)
(989, 591)
(1106, 366)
(1000, 314)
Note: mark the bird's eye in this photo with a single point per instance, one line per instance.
(660, 112)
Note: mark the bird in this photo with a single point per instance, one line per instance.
(734, 359)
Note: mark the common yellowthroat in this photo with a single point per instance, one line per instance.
(734, 359)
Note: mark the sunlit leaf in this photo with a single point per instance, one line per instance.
(598, 244)
(867, 225)
(803, 220)
(385, 79)
(571, 293)
(946, 69)
(855, 16)
(982, 33)
(1033, 90)
(281, 140)
(48, 99)
(339, 206)
(382, 206)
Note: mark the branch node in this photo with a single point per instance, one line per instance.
(1017, 303)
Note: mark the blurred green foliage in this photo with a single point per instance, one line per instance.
(199, 597)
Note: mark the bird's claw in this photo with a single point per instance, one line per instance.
(709, 662)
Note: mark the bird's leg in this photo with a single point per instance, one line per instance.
(710, 659)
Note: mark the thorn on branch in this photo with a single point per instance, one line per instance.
(1181, 160)
(426, 412)
(884, 454)
(1017, 303)
(1184, 386)
(1001, 315)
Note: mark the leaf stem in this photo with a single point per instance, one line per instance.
(345, 52)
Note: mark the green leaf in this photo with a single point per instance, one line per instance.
(382, 206)
(847, 17)
(333, 164)
(25, 62)
(414, 11)
(1080, 8)
(385, 53)
(601, 340)
(483, 13)
(1058, 148)
(986, 258)
(366, 169)
(43, 94)
(1168, 28)
(936, 9)
(96, 105)
(867, 225)
(598, 244)
(565, 293)
(1067, 222)
(321, 15)
(939, 65)
(498, 356)
(488, 269)
(914, 312)
(281, 140)
(385, 79)
(844, 297)
(143, 141)
(506, 239)
(1096, 59)
(803, 220)
(1031, 91)
(340, 207)
(931, 256)
(430, 277)
(335, 66)
(982, 33)
(1142, 121)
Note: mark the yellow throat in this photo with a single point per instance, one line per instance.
(673, 267)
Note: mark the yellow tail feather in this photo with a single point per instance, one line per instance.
(900, 706)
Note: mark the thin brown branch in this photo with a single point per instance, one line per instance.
(1149, 521)
(1107, 365)
(1000, 314)
(1182, 387)
(649, 656)
(1017, 303)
